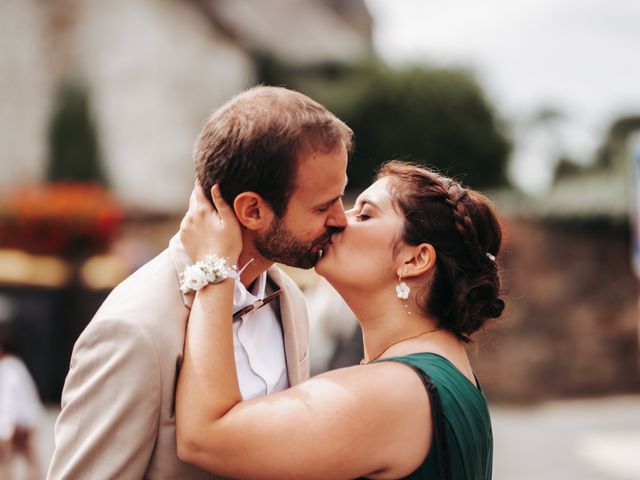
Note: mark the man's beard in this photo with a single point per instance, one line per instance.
(279, 244)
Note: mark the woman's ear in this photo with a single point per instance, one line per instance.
(420, 260)
(252, 210)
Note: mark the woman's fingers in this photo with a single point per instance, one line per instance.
(205, 231)
(200, 198)
(198, 203)
(192, 197)
(223, 208)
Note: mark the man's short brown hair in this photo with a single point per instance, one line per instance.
(254, 141)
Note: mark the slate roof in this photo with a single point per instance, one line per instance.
(300, 32)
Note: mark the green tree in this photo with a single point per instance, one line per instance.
(74, 153)
(438, 117)
(614, 145)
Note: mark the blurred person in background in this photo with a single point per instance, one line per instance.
(280, 158)
(417, 265)
(20, 409)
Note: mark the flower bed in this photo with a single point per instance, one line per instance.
(66, 219)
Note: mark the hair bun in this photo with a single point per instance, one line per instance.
(494, 309)
(476, 304)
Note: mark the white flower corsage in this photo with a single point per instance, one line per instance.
(212, 269)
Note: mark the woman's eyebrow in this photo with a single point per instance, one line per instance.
(367, 201)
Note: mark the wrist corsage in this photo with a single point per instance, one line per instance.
(212, 269)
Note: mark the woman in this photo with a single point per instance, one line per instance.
(416, 264)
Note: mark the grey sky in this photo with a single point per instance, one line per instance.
(578, 56)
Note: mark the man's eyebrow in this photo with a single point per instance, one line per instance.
(330, 202)
(334, 200)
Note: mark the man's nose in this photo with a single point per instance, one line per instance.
(337, 217)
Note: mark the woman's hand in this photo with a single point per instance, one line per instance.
(204, 231)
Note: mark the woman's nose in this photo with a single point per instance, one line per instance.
(351, 214)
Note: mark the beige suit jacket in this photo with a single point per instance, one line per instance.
(118, 403)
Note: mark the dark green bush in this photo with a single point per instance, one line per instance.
(74, 153)
(438, 117)
(433, 116)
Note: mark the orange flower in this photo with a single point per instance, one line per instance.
(59, 218)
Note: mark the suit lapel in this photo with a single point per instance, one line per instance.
(291, 347)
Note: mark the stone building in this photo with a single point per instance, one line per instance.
(153, 70)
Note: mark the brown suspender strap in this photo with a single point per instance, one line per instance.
(257, 304)
(261, 302)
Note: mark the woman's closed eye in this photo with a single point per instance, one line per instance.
(362, 216)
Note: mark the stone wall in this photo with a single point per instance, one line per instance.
(571, 323)
(27, 86)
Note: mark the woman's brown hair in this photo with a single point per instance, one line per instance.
(462, 226)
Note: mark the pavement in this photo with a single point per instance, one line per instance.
(587, 439)
(594, 439)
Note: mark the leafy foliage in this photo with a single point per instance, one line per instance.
(73, 144)
(438, 117)
(615, 144)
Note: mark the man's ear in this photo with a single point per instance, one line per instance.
(252, 210)
(418, 261)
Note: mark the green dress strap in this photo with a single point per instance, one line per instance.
(467, 421)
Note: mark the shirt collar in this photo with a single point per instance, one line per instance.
(242, 296)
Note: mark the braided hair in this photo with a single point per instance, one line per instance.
(462, 227)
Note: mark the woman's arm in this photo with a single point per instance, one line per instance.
(358, 421)
(205, 231)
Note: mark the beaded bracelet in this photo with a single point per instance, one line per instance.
(212, 269)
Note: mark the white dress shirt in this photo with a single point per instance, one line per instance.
(258, 343)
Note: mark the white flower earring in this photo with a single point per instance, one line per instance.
(402, 289)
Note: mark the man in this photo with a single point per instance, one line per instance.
(280, 159)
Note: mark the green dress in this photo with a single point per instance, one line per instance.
(467, 421)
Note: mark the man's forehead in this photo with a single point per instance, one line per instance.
(319, 192)
(322, 173)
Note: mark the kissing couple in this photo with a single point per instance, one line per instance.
(196, 366)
